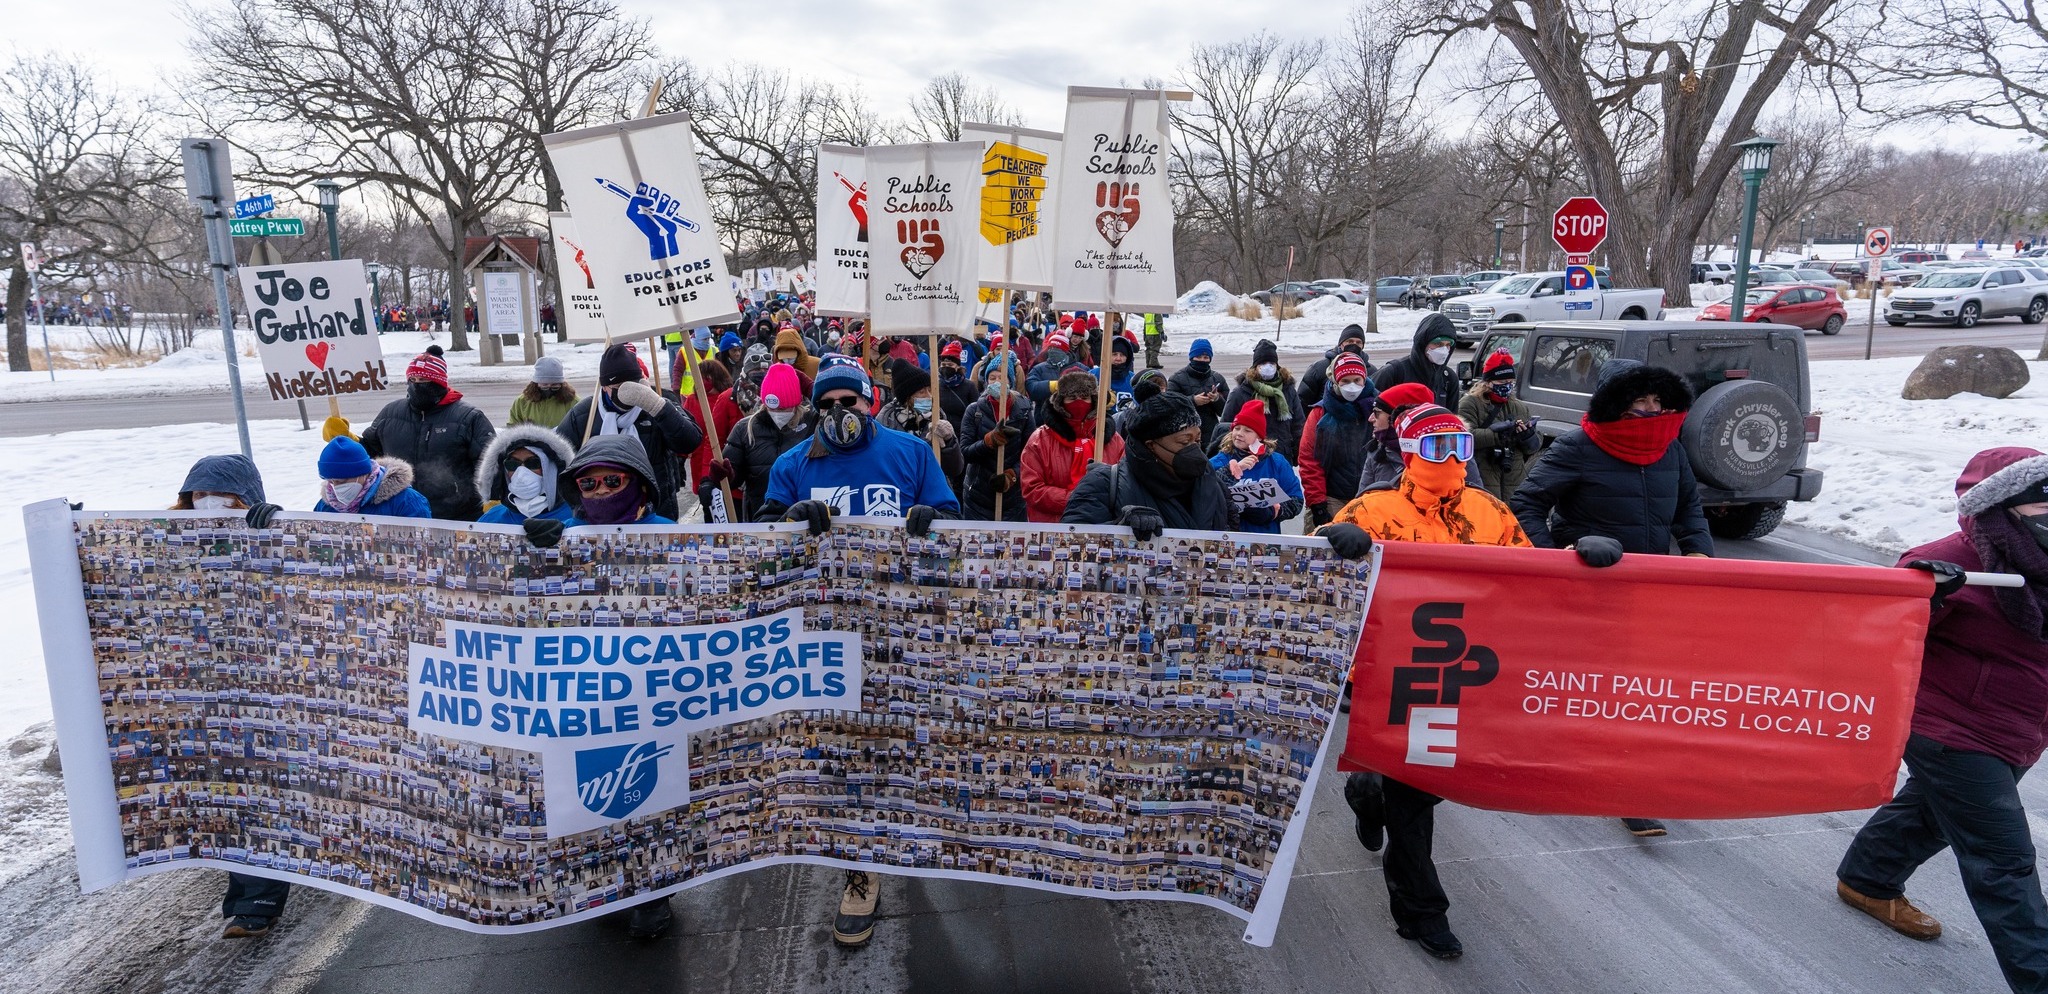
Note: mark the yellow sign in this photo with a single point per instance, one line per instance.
(1011, 195)
(991, 295)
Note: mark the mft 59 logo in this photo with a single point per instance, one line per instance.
(615, 780)
(1426, 692)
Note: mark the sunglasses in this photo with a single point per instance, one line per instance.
(608, 481)
(515, 463)
(848, 402)
(1440, 446)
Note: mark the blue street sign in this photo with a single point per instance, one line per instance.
(1578, 278)
(260, 204)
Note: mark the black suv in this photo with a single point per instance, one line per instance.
(1748, 428)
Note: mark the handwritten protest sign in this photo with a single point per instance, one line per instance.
(314, 330)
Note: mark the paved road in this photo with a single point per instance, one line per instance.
(43, 417)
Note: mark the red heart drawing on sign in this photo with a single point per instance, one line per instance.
(1121, 199)
(317, 353)
(923, 246)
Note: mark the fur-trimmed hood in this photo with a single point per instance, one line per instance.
(490, 482)
(1995, 475)
(397, 477)
(1623, 380)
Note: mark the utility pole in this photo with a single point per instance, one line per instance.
(209, 183)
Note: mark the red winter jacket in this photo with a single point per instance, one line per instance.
(1046, 469)
(1983, 683)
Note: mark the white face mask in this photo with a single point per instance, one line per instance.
(1439, 355)
(1350, 391)
(1266, 370)
(782, 418)
(213, 502)
(528, 491)
(344, 495)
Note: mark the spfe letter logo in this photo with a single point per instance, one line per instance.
(1425, 695)
(615, 780)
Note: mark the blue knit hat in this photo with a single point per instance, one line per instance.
(844, 375)
(730, 340)
(345, 459)
(1200, 346)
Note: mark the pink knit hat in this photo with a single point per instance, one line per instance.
(780, 389)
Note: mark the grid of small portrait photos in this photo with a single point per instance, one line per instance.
(1057, 706)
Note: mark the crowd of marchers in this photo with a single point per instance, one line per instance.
(792, 416)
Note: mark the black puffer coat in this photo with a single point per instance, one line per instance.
(1286, 431)
(443, 446)
(668, 436)
(753, 445)
(1577, 489)
(1191, 384)
(979, 502)
(1415, 367)
(1106, 490)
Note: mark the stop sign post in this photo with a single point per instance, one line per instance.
(1579, 226)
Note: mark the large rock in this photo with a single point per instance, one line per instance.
(1953, 369)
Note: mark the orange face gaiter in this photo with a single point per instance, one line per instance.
(1444, 479)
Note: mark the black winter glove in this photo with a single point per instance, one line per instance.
(261, 515)
(544, 533)
(1948, 578)
(918, 521)
(816, 513)
(1142, 521)
(1505, 428)
(1348, 540)
(1598, 551)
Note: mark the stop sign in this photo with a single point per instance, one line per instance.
(1579, 226)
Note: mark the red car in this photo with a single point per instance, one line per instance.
(1799, 305)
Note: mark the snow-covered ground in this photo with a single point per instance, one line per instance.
(203, 368)
(1891, 464)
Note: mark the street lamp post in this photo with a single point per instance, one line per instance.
(330, 202)
(376, 292)
(1500, 224)
(1756, 163)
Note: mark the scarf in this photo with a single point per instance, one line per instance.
(1084, 453)
(611, 420)
(1273, 394)
(1636, 441)
(2005, 547)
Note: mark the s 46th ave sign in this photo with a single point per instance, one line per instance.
(1579, 226)
(266, 227)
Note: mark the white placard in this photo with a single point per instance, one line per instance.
(639, 204)
(314, 330)
(1019, 184)
(1114, 226)
(1256, 493)
(581, 312)
(842, 277)
(504, 306)
(923, 198)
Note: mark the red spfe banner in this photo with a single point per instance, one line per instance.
(1663, 687)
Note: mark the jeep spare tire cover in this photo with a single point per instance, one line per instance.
(1743, 434)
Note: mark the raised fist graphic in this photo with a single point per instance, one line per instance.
(1120, 210)
(922, 245)
(660, 229)
(857, 203)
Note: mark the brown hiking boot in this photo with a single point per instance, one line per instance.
(856, 921)
(1897, 914)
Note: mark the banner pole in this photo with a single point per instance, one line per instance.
(938, 410)
(1102, 381)
(709, 424)
(1002, 408)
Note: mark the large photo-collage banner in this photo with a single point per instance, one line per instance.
(444, 719)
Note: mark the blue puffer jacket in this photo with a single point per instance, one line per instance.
(1271, 466)
(395, 497)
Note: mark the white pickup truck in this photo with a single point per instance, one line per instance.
(1542, 297)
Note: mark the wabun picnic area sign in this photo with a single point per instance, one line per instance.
(313, 328)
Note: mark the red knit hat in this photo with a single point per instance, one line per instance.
(428, 365)
(1401, 395)
(1252, 415)
(1427, 419)
(1499, 366)
(951, 351)
(1348, 364)
(1057, 340)
(1066, 320)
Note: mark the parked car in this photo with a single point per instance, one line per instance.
(1963, 297)
(1296, 292)
(1713, 272)
(2035, 253)
(1542, 297)
(1813, 308)
(1486, 278)
(1747, 433)
(1821, 277)
(1911, 256)
(1348, 291)
(1391, 289)
(1438, 289)
(1976, 253)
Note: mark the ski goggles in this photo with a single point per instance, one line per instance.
(1440, 446)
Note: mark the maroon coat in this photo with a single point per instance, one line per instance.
(1983, 682)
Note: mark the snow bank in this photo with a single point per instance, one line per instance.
(1205, 298)
(1891, 464)
(1322, 320)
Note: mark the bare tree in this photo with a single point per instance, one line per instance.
(1982, 61)
(1816, 162)
(938, 110)
(74, 160)
(1653, 106)
(1375, 138)
(387, 92)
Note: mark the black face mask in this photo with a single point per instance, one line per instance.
(425, 396)
(2037, 526)
(1189, 463)
(1200, 366)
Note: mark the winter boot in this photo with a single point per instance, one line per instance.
(856, 921)
(1369, 805)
